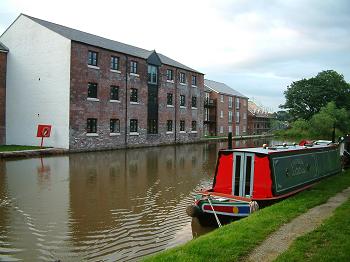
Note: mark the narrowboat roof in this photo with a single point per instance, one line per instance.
(279, 148)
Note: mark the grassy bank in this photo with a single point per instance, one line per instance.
(234, 241)
(7, 148)
(329, 242)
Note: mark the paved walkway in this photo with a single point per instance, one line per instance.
(280, 241)
(33, 153)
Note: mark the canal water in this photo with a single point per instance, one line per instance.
(103, 206)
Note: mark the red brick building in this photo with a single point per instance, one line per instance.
(225, 110)
(3, 60)
(259, 120)
(98, 93)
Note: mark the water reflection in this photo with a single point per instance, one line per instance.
(115, 205)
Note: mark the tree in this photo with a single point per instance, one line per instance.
(321, 124)
(306, 97)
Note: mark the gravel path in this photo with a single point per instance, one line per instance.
(279, 241)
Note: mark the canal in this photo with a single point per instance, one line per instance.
(103, 206)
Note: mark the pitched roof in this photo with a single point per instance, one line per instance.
(3, 48)
(222, 88)
(94, 40)
(258, 111)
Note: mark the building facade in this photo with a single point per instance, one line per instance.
(259, 120)
(226, 110)
(3, 62)
(96, 93)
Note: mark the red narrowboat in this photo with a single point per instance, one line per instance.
(248, 178)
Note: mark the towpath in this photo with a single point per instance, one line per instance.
(280, 241)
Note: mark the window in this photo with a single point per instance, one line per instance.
(222, 98)
(194, 80)
(114, 62)
(230, 129)
(221, 114)
(114, 125)
(92, 90)
(245, 102)
(237, 130)
(152, 126)
(169, 99)
(206, 116)
(194, 125)
(230, 101)
(221, 129)
(133, 125)
(244, 129)
(92, 58)
(169, 125)
(114, 95)
(230, 116)
(237, 117)
(182, 125)
(152, 74)
(91, 126)
(133, 95)
(133, 67)
(244, 115)
(169, 75)
(237, 103)
(182, 100)
(182, 78)
(194, 101)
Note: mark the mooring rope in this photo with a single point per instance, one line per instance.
(216, 217)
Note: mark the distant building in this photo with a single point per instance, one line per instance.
(225, 110)
(95, 92)
(259, 120)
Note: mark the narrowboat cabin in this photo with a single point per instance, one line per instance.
(247, 178)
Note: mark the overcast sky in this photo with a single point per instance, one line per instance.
(256, 47)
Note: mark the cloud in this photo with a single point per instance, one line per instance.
(259, 47)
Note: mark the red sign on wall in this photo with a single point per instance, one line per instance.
(44, 131)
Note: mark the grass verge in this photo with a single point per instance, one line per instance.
(234, 241)
(329, 242)
(8, 148)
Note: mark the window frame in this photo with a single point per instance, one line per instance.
(182, 78)
(169, 125)
(91, 125)
(112, 94)
(194, 80)
(133, 125)
(115, 123)
(169, 75)
(115, 63)
(134, 98)
(183, 100)
(152, 77)
(92, 61)
(182, 126)
(169, 98)
(152, 126)
(194, 102)
(91, 85)
(133, 67)
(194, 125)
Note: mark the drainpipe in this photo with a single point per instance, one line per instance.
(126, 102)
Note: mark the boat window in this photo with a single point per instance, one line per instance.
(248, 175)
(237, 175)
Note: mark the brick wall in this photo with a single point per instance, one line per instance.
(223, 123)
(3, 63)
(104, 110)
